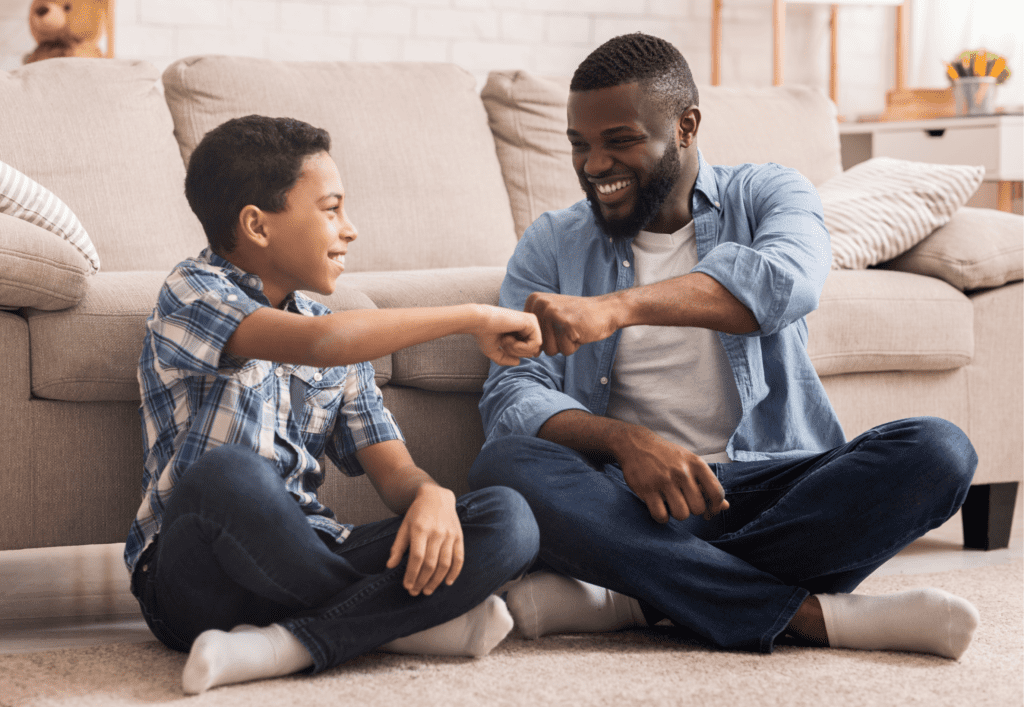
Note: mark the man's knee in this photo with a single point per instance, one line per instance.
(943, 453)
(500, 461)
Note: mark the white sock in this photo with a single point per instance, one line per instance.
(473, 634)
(919, 620)
(245, 653)
(545, 602)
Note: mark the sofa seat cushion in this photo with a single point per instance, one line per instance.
(528, 118)
(91, 351)
(451, 364)
(878, 320)
(416, 157)
(98, 134)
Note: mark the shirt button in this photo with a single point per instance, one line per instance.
(279, 372)
(232, 298)
(604, 380)
(318, 376)
(625, 263)
(718, 205)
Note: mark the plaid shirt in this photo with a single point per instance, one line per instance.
(196, 397)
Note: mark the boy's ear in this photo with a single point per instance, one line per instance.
(252, 226)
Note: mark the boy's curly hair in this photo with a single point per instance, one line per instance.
(252, 160)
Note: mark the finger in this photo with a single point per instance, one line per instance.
(691, 492)
(550, 340)
(399, 547)
(431, 557)
(711, 489)
(458, 557)
(417, 554)
(656, 507)
(444, 563)
(676, 503)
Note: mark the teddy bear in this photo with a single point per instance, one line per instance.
(69, 28)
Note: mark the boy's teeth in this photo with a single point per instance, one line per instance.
(614, 186)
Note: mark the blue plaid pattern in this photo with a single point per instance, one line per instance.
(196, 397)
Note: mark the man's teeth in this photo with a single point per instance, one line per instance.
(340, 258)
(613, 187)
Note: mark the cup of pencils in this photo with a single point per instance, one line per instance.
(975, 74)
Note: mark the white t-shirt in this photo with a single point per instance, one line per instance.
(675, 381)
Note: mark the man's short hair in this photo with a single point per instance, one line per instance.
(655, 64)
(253, 160)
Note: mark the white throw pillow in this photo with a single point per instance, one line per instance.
(24, 198)
(880, 208)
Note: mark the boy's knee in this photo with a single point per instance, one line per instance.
(509, 517)
(227, 469)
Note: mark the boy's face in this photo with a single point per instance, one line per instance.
(307, 241)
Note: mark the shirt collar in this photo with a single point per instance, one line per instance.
(252, 285)
(707, 184)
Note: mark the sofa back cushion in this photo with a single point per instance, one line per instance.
(411, 141)
(97, 133)
(793, 126)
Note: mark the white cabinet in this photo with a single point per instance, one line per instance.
(995, 141)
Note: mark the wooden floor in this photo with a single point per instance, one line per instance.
(78, 596)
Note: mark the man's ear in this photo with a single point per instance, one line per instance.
(687, 126)
(252, 226)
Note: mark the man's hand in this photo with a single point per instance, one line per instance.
(567, 322)
(507, 335)
(670, 479)
(432, 535)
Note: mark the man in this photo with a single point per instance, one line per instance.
(675, 444)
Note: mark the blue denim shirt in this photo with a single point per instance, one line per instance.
(760, 233)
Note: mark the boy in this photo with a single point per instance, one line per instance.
(245, 382)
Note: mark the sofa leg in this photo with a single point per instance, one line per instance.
(987, 515)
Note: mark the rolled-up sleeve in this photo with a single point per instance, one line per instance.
(518, 400)
(778, 267)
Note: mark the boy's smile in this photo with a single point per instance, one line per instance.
(305, 244)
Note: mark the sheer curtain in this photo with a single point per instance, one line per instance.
(941, 29)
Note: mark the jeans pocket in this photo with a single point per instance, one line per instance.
(144, 583)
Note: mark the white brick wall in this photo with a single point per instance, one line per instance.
(545, 36)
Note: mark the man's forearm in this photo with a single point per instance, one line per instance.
(694, 300)
(599, 438)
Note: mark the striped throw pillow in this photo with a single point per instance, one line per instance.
(880, 208)
(24, 198)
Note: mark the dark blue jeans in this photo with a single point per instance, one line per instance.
(234, 547)
(820, 524)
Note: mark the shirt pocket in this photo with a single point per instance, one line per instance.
(316, 397)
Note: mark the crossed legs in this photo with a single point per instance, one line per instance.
(795, 528)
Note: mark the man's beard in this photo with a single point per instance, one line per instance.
(650, 198)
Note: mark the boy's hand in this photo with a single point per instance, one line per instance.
(432, 534)
(508, 334)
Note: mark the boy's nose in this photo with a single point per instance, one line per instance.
(348, 231)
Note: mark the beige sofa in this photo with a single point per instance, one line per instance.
(441, 180)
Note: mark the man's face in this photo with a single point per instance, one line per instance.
(625, 155)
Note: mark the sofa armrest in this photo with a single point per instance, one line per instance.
(977, 249)
(39, 269)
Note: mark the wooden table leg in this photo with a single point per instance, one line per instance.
(1005, 200)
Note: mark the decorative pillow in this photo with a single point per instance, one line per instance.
(28, 200)
(978, 248)
(38, 270)
(882, 207)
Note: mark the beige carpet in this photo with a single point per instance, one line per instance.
(646, 667)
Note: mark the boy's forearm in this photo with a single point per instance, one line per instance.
(345, 338)
(394, 475)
